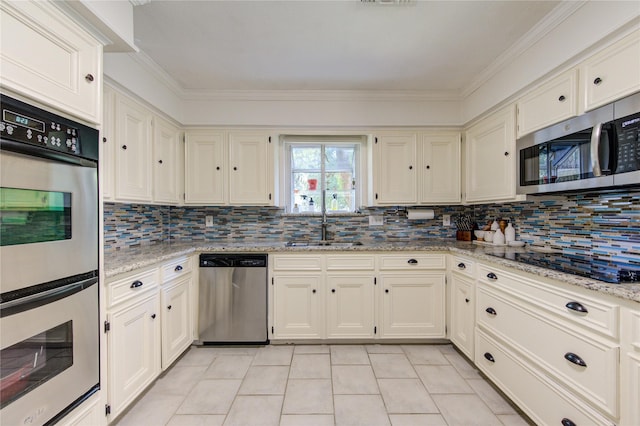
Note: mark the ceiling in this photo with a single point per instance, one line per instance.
(429, 46)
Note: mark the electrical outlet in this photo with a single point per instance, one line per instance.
(376, 220)
(208, 221)
(446, 220)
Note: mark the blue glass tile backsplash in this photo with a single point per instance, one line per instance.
(605, 226)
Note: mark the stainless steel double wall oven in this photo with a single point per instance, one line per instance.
(49, 310)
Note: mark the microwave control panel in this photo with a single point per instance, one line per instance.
(628, 130)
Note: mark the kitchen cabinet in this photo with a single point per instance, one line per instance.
(490, 147)
(47, 56)
(412, 295)
(630, 367)
(223, 168)
(176, 304)
(440, 168)
(612, 73)
(297, 305)
(205, 168)
(563, 349)
(133, 172)
(168, 162)
(395, 166)
(552, 102)
(462, 305)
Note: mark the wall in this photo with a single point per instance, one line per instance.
(605, 227)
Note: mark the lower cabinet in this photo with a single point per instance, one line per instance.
(297, 306)
(350, 305)
(630, 367)
(462, 314)
(149, 324)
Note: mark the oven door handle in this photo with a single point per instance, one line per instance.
(26, 303)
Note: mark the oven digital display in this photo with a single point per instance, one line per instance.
(31, 362)
(22, 120)
(32, 216)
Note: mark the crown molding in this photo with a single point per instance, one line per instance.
(558, 15)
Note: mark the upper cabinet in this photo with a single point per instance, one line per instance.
(552, 102)
(235, 168)
(491, 158)
(46, 56)
(612, 73)
(142, 156)
(416, 168)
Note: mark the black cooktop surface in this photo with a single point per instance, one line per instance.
(585, 266)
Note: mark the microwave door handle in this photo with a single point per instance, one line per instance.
(595, 149)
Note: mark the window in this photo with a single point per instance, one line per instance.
(322, 165)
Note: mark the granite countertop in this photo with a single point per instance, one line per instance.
(126, 260)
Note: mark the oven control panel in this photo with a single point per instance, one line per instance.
(24, 127)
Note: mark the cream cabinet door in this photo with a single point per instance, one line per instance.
(551, 103)
(350, 305)
(107, 156)
(176, 319)
(630, 366)
(250, 169)
(395, 168)
(133, 150)
(133, 350)
(491, 158)
(412, 305)
(613, 73)
(45, 55)
(205, 168)
(297, 306)
(463, 319)
(440, 168)
(167, 162)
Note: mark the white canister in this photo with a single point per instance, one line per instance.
(488, 236)
(498, 238)
(495, 225)
(509, 233)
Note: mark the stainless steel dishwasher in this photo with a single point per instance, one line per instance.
(232, 299)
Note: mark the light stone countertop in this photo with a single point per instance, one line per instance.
(126, 260)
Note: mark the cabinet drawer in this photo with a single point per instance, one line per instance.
(345, 262)
(555, 346)
(297, 263)
(130, 286)
(463, 266)
(176, 268)
(537, 395)
(599, 316)
(412, 261)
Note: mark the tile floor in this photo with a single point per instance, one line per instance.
(310, 385)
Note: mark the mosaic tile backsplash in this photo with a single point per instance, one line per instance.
(603, 226)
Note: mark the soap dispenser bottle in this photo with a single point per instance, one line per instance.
(334, 202)
(509, 233)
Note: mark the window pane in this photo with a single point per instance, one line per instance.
(306, 186)
(339, 158)
(305, 157)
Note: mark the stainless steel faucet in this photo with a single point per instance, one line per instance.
(323, 226)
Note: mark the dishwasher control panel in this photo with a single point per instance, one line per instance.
(214, 260)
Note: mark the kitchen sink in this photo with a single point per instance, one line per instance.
(322, 243)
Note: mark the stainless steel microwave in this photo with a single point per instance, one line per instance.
(597, 150)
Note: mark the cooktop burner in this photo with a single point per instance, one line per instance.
(585, 266)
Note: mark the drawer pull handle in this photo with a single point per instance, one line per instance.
(571, 357)
(489, 357)
(491, 311)
(89, 78)
(461, 265)
(153, 316)
(492, 276)
(178, 268)
(567, 422)
(412, 262)
(562, 98)
(597, 81)
(575, 306)
(136, 284)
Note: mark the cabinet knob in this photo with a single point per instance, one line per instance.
(491, 311)
(428, 167)
(386, 290)
(575, 359)
(153, 316)
(218, 168)
(506, 153)
(489, 357)
(104, 140)
(178, 268)
(169, 307)
(89, 77)
(124, 147)
(333, 290)
(136, 284)
(575, 306)
(159, 161)
(313, 291)
(568, 422)
(410, 167)
(492, 276)
(235, 168)
(466, 300)
(597, 81)
(462, 265)
(562, 98)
